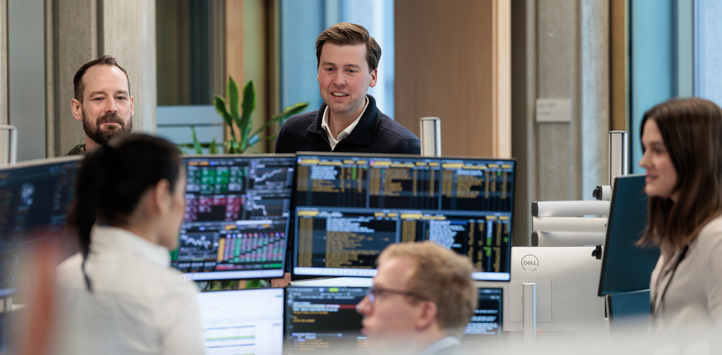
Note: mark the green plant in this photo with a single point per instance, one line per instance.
(236, 116)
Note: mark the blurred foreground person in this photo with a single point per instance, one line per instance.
(421, 300)
(119, 294)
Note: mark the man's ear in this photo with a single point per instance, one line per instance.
(427, 314)
(77, 108)
(132, 106)
(374, 76)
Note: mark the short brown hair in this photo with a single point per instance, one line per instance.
(692, 133)
(79, 86)
(442, 276)
(348, 34)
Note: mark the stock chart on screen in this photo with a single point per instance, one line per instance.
(236, 220)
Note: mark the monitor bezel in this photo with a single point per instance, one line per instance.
(40, 162)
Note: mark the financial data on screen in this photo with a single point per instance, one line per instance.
(487, 319)
(348, 208)
(236, 220)
(35, 196)
(323, 318)
(34, 201)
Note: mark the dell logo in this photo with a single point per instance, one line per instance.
(529, 262)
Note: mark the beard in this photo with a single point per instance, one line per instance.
(100, 135)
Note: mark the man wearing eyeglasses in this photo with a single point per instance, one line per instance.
(421, 300)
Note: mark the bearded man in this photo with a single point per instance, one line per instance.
(102, 102)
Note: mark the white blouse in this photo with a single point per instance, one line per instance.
(693, 296)
(139, 305)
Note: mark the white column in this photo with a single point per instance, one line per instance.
(128, 34)
(74, 42)
(595, 94)
(561, 51)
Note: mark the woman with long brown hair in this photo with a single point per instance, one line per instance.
(682, 144)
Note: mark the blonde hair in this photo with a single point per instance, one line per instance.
(442, 276)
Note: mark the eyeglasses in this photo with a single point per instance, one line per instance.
(376, 291)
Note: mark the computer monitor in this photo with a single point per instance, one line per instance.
(36, 195)
(627, 267)
(242, 321)
(349, 207)
(323, 318)
(628, 307)
(566, 279)
(236, 220)
(487, 321)
(9, 260)
(34, 198)
(5, 333)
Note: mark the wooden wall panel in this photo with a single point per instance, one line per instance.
(234, 41)
(446, 64)
(618, 12)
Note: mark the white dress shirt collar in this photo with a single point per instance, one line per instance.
(345, 133)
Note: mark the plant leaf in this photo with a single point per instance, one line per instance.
(248, 105)
(232, 147)
(289, 111)
(220, 104)
(283, 116)
(196, 144)
(213, 148)
(232, 96)
(252, 140)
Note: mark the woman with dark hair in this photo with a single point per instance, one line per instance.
(119, 294)
(682, 144)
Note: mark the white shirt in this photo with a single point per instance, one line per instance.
(343, 134)
(445, 345)
(694, 296)
(139, 305)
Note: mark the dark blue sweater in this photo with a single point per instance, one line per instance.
(375, 133)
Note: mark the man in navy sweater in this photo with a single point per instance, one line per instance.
(348, 120)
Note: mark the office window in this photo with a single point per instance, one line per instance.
(708, 50)
(660, 60)
(190, 56)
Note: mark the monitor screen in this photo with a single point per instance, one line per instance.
(9, 261)
(242, 321)
(5, 333)
(566, 280)
(34, 198)
(486, 323)
(236, 220)
(627, 267)
(36, 195)
(348, 208)
(323, 318)
(629, 307)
